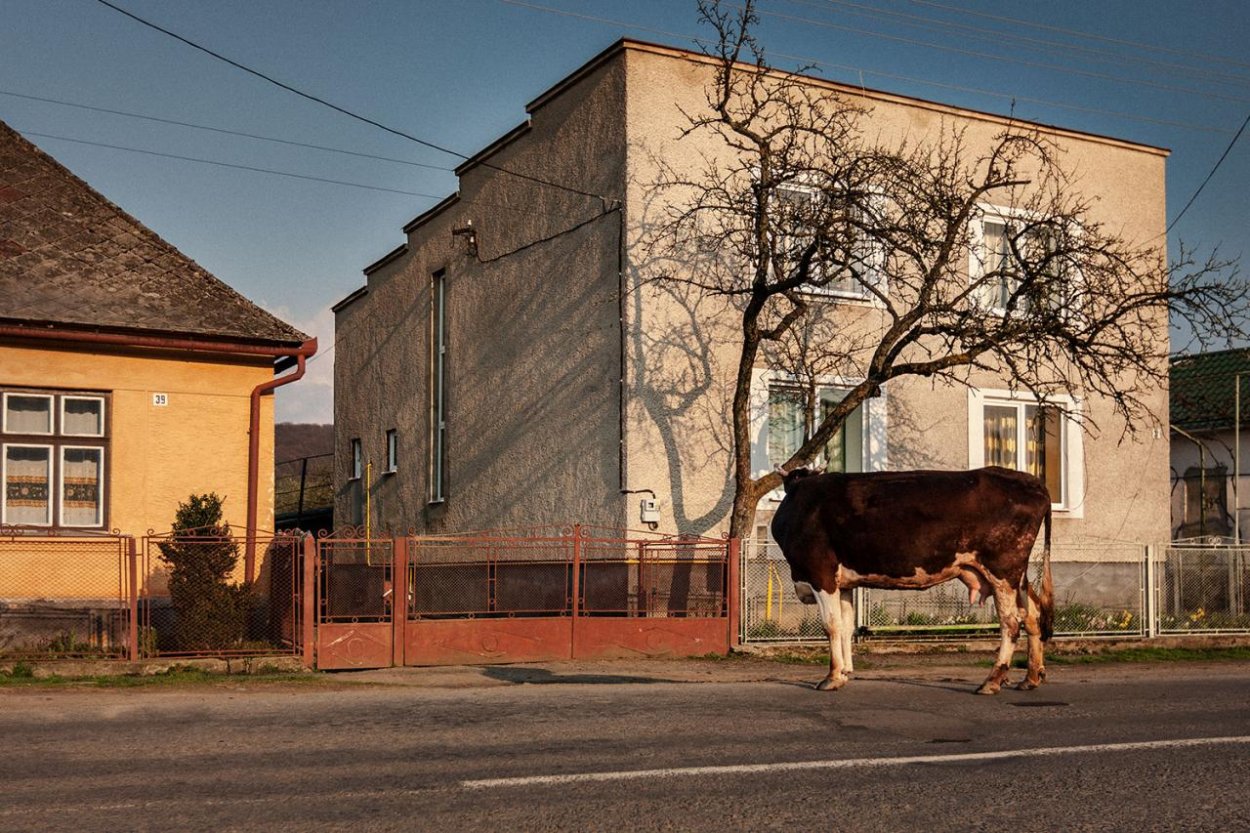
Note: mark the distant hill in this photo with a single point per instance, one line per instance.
(293, 440)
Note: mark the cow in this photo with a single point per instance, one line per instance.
(915, 529)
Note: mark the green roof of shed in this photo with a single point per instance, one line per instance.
(1202, 388)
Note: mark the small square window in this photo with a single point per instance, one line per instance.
(82, 416)
(27, 413)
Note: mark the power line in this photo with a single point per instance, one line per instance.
(1006, 59)
(998, 35)
(342, 110)
(1015, 21)
(821, 63)
(1219, 162)
(222, 130)
(231, 165)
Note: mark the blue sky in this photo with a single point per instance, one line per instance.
(458, 74)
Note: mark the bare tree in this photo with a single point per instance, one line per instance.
(798, 204)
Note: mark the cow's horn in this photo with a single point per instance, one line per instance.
(781, 470)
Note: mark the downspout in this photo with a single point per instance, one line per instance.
(301, 354)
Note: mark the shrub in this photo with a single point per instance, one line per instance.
(211, 610)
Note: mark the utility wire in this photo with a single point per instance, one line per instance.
(221, 130)
(1219, 162)
(231, 165)
(998, 35)
(1015, 21)
(343, 110)
(829, 65)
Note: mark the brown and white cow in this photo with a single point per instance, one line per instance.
(912, 530)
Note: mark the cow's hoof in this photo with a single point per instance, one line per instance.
(1027, 685)
(988, 688)
(831, 683)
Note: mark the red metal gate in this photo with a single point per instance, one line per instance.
(504, 598)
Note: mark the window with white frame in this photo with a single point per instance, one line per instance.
(392, 451)
(1040, 438)
(799, 209)
(794, 414)
(52, 458)
(1002, 243)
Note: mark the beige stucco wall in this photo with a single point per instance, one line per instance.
(533, 339)
(679, 445)
(157, 456)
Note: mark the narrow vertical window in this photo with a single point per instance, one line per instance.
(28, 485)
(438, 388)
(392, 451)
(357, 460)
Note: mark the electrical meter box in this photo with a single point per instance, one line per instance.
(650, 511)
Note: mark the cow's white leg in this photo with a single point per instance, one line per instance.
(1033, 627)
(1009, 628)
(847, 602)
(831, 616)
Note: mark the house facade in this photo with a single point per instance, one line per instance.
(1208, 481)
(130, 377)
(510, 365)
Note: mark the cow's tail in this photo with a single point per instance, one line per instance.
(1046, 604)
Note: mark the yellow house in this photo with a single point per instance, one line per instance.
(130, 377)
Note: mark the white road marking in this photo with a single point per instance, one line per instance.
(851, 763)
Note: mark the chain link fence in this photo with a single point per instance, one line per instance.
(1102, 589)
(64, 596)
(192, 602)
(1203, 588)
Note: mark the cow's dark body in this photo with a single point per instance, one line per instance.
(911, 530)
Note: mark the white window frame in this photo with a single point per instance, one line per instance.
(66, 398)
(438, 387)
(1072, 474)
(392, 451)
(860, 295)
(358, 459)
(60, 486)
(4, 414)
(977, 255)
(4, 481)
(874, 424)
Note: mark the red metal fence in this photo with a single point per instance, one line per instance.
(66, 596)
(348, 601)
(510, 598)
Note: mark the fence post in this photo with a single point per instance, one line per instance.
(399, 598)
(132, 558)
(733, 596)
(577, 588)
(308, 601)
(1151, 607)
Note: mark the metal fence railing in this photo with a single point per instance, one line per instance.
(192, 603)
(65, 596)
(1203, 588)
(1102, 589)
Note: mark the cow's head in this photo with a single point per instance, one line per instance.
(789, 478)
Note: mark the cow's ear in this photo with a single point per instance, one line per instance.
(795, 476)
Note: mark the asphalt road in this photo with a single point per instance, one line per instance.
(638, 747)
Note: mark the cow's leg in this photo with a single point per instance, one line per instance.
(1009, 628)
(847, 601)
(1033, 627)
(831, 616)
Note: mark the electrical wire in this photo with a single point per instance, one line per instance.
(1218, 162)
(343, 110)
(221, 130)
(829, 65)
(251, 168)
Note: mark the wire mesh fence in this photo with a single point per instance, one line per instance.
(1100, 589)
(192, 602)
(1203, 588)
(64, 596)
